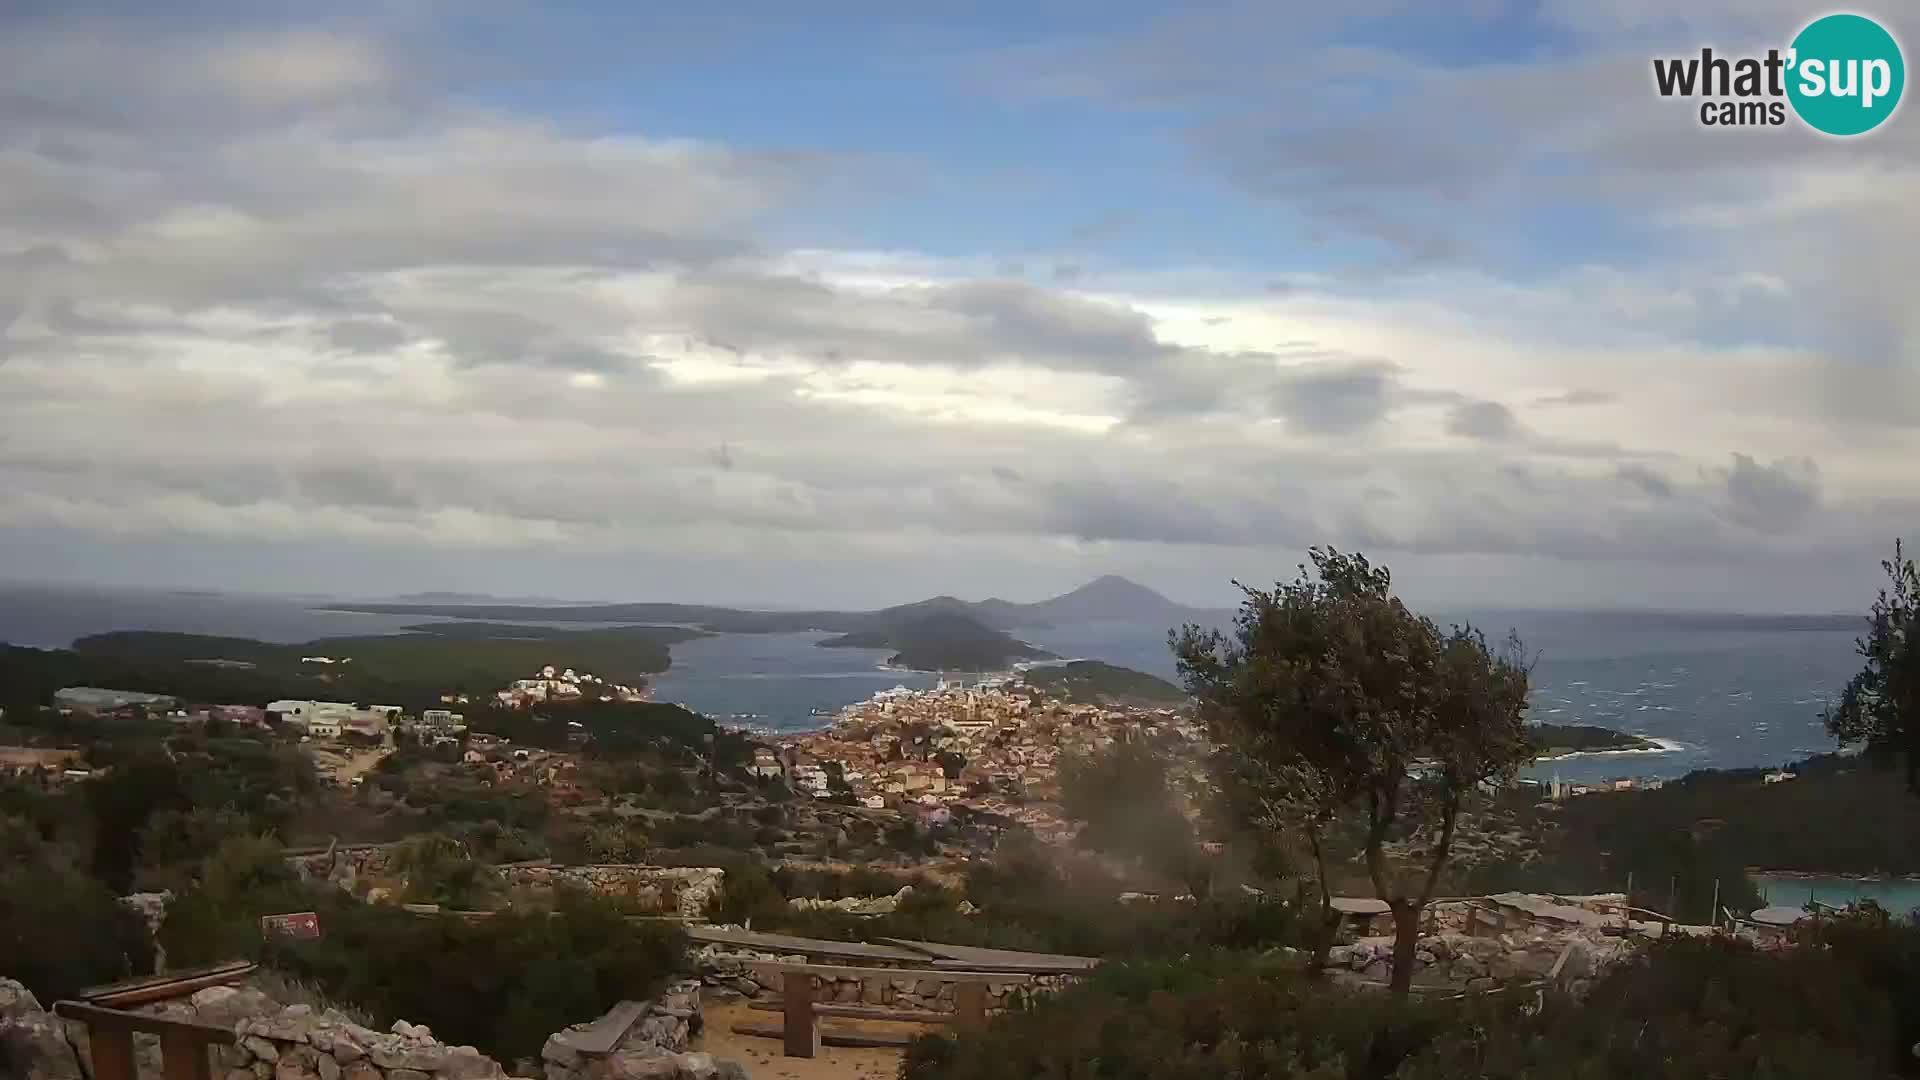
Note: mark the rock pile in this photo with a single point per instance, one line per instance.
(726, 968)
(854, 905)
(683, 890)
(298, 1043)
(686, 891)
(33, 1046)
(1481, 963)
(654, 1047)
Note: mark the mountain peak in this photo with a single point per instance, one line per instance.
(1109, 596)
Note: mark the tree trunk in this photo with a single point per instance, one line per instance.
(1327, 922)
(1406, 942)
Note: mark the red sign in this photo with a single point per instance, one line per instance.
(299, 925)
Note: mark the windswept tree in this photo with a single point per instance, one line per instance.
(1333, 702)
(1881, 705)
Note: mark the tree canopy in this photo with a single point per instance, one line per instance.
(1881, 705)
(1332, 698)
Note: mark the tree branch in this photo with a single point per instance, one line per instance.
(1449, 814)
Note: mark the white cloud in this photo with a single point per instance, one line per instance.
(462, 330)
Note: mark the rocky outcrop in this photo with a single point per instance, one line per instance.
(854, 905)
(727, 970)
(653, 1046)
(685, 891)
(298, 1043)
(33, 1043)
(1482, 963)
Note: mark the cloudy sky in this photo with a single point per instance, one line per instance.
(817, 303)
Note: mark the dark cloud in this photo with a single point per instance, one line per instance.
(1335, 399)
(362, 485)
(1488, 421)
(1645, 480)
(1007, 474)
(1770, 498)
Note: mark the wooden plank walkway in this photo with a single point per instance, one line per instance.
(963, 957)
(602, 1035)
(786, 943)
(835, 971)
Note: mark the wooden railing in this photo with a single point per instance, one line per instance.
(183, 1046)
(803, 1038)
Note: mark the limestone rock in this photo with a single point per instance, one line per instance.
(32, 1041)
(697, 1067)
(636, 1066)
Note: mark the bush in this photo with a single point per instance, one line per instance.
(1218, 1015)
(502, 984)
(61, 931)
(1716, 1007)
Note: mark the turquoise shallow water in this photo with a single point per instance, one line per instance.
(1898, 895)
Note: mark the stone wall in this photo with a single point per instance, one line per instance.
(685, 891)
(32, 1044)
(654, 1044)
(298, 1042)
(1482, 963)
(727, 970)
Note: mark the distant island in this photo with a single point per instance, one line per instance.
(1108, 598)
(1560, 740)
(425, 660)
(1094, 682)
(941, 633)
(941, 641)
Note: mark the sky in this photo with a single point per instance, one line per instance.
(829, 304)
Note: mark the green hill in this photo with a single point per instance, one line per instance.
(1093, 681)
(941, 641)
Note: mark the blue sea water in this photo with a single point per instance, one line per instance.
(1716, 698)
(776, 682)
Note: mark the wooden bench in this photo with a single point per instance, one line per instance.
(803, 1037)
(183, 1046)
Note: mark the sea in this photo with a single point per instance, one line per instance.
(1711, 693)
(1718, 693)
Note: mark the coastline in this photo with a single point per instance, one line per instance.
(1824, 875)
(1661, 746)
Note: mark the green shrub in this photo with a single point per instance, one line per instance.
(61, 931)
(502, 984)
(1216, 1015)
(1715, 1008)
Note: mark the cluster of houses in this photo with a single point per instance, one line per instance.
(565, 684)
(992, 747)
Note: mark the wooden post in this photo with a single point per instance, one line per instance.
(970, 1006)
(112, 1053)
(183, 1056)
(1715, 914)
(803, 1039)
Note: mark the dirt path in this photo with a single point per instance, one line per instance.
(359, 764)
(763, 1057)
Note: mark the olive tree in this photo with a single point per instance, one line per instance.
(1333, 702)
(1881, 705)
